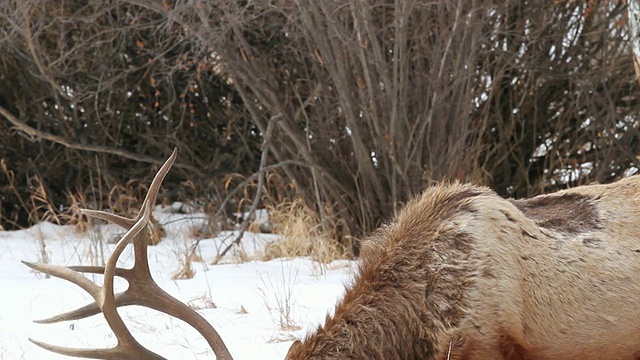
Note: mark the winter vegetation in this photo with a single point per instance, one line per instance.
(259, 304)
(369, 102)
(303, 126)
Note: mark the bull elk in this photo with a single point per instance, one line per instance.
(460, 273)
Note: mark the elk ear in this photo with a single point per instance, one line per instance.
(295, 348)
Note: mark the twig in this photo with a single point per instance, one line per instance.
(237, 189)
(35, 134)
(256, 199)
(634, 30)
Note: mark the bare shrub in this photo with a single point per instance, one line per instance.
(116, 81)
(375, 99)
(379, 99)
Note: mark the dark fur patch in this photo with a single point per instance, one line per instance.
(593, 243)
(460, 200)
(569, 213)
(412, 288)
(451, 282)
(510, 349)
(508, 216)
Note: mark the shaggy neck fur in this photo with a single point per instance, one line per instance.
(463, 274)
(410, 293)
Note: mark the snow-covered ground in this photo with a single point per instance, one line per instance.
(258, 307)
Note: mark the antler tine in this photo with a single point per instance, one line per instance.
(142, 290)
(152, 195)
(112, 353)
(121, 299)
(124, 298)
(127, 347)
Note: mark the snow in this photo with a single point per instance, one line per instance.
(258, 307)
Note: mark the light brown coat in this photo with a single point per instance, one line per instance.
(462, 273)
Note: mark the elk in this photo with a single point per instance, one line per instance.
(459, 273)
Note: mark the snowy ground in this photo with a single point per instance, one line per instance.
(258, 307)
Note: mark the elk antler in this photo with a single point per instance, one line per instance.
(142, 290)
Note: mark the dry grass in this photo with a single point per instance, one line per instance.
(43, 253)
(10, 187)
(302, 234)
(39, 205)
(202, 302)
(185, 271)
(186, 257)
(156, 231)
(72, 216)
(278, 299)
(280, 338)
(302, 231)
(42, 209)
(126, 200)
(96, 252)
(240, 255)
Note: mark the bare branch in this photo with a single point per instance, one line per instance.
(35, 135)
(634, 30)
(257, 197)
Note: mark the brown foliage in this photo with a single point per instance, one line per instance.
(374, 99)
(111, 87)
(383, 98)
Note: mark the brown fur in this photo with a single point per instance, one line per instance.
(462, 273)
